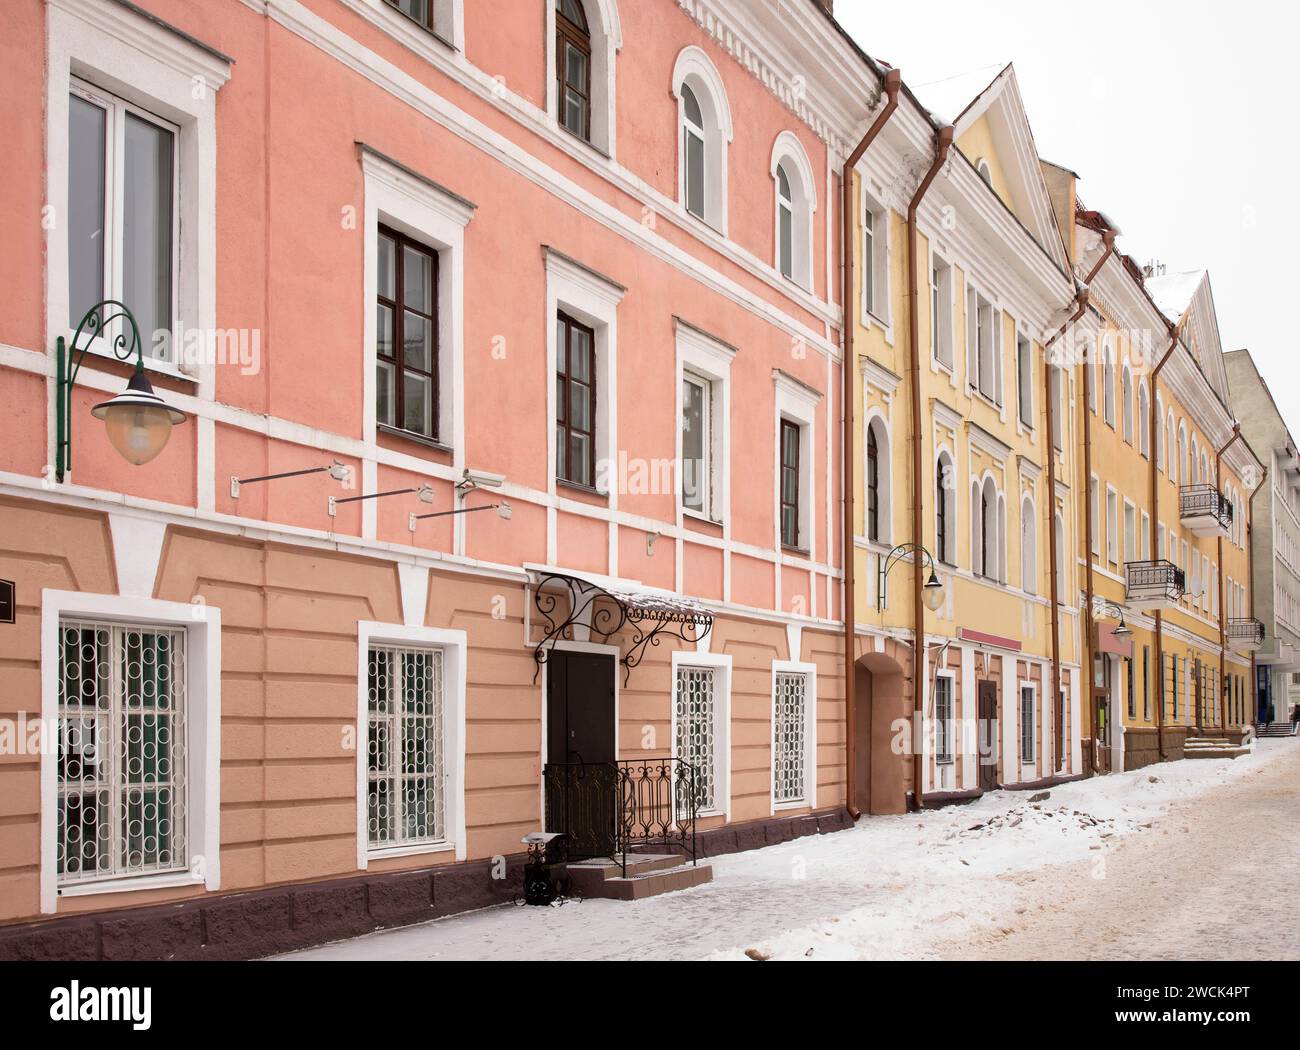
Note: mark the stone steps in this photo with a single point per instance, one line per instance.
(648, 875)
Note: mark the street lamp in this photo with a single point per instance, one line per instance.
(1107, 608)
(934, 594)
(138, 421)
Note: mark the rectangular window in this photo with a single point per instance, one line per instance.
(943, 720)
(122, 765)
(1027, 706)
(869, 261)
(1058, 409)
(406, 801)
(983, 346)
(1146, 683)
(1112, 526)
(1144, 540)
(573, 72)
(789, 756)
(790, 482)
(1130, 532)
(693, 151)
(1132, 697)
(1025, 380)
(697, 445)
(696, 730)
(406, 335)
(420, 11)
(575, 402)
(1094, 511)
(941, 312)
(122, 213)
(1173, 673)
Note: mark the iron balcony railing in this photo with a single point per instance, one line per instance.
(611, 809)
(1155, 579)
(1200, 501)
(1246, 630)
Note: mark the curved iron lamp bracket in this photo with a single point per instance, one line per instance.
(125, 344)
(903, 550)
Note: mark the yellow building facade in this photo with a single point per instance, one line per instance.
(1018, 383)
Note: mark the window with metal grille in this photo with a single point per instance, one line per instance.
(1026, 723)
(696, 732)
(789, 758)
(406, 334)
(122, 772)
(406, 763)
(943, 720)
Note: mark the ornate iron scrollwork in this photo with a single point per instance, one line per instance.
(565, 602)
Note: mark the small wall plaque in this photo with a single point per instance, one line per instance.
(7, 601)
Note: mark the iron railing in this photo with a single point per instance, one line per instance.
(612, 809)
(1246, 630)
(1200, 500)
(1155, 579)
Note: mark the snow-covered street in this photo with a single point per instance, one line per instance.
(1155, 863)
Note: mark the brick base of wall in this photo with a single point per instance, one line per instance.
(1142, 746)
(267, 922)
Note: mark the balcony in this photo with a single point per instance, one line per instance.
(1245, 636)
(1154, 585)
(1205, 510)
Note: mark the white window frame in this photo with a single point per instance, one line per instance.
(416, 206)
(797, 403)
(1028, 546)
(720, 664)
(706, 359)
(693, 68)
(876, 249)
(809, 671)
(448, 23)
(148, 65)
(983, 346)
(1130, 531)
(202, 624)
(941, 312)
(1025, 381)
(1094, 512)
(1127, 413)
(586, 296)
(606, 31)
(1108, 384)
(1028, 732)
(948, 555)
(1112, 525)
(1144, 419)
(885, 477)
(940, 758)
(454, 645)
(1144, 540)
(789, 150)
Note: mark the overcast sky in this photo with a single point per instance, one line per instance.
(1181, 119)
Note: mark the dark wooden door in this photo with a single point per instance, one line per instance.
(988, 736)
(581, 773)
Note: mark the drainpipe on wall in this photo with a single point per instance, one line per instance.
(943, 142)
(1081, 306)
(893, 82)
(1250, 571)
(1175, 333)
(1089, 645)
(1223, 575)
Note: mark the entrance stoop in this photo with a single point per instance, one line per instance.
(648, 875)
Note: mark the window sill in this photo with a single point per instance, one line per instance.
(797, 551)
(579, 139)
(413, 437)
(161, 881)
(414, 850)
(401, 18)
(703, 519)
(576, 486)
(785, 807)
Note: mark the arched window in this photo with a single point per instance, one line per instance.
(945, 510)
(1144, 420)
(1194, 474)
(986, 173)
(1203, 472)
(873, 486)
(988, 521)
(704, 119)
(573, 67)
(1028, 548)
(1126, 392)
(796, 200)
(1161, 443)
(585, 36)
(1184, 474)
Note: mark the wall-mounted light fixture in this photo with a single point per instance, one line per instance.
(1107, 608)
(338, 471)
(503, 509)
(424, 492)
(478, 479)
(934, 592)
(138, 421)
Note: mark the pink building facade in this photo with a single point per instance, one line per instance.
(567, 270)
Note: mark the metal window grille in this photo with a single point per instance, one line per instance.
(696, 741)
(789, 758)
(943, 720)
(406, 763)
(122, 769)
(1026, 724)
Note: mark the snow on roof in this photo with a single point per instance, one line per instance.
(948, 97)
(1173, 292)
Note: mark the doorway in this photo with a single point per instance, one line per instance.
(581, 775)
(988, 736)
